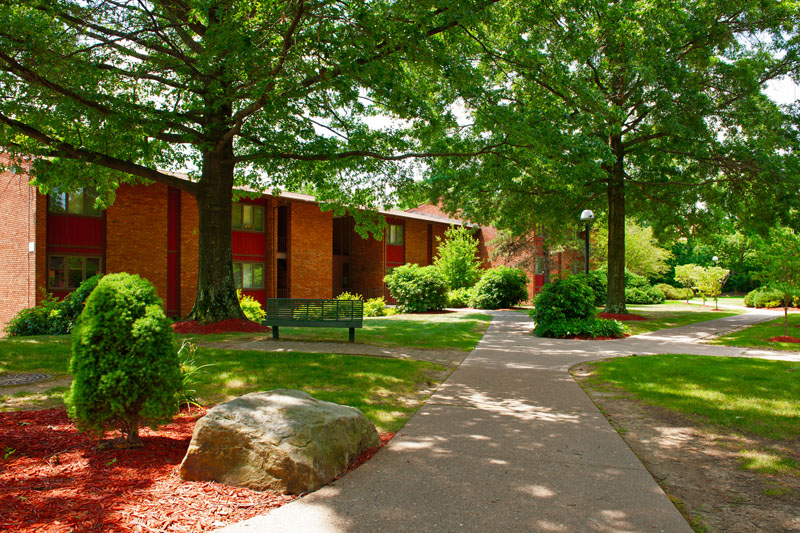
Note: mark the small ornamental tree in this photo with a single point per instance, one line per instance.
(710, 282)
(780, 267)
(687, 275)
(457, 258)
(126, 371)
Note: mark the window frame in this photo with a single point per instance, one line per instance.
(238, 281)
(391, 240)
(254, 207)
(65, 268)
(89, 195)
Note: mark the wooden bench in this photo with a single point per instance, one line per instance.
(304, 313)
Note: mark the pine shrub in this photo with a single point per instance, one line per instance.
(125, 367)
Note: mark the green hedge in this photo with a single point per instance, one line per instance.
(648, 295)
(565, 307)
(500, 287)
(458, 298)
(417, 289)
(674, 293)
(764, 297)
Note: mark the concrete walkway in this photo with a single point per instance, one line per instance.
(509, 443)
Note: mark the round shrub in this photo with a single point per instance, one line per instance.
(375, 307)
(644, 295)
(459, 298)
(597, 282)
(564, 299)
(500, 287)
(417, 289)
(764, 297)
(52, 317)
(125, 368)
(674, 293)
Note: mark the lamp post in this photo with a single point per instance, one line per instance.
(586, 217)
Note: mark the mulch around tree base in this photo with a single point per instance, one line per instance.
(783, 338)
(621, 317)
(54, 479)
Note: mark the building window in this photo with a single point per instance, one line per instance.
(80, 202)
(539, 265)
(67, 272)
(341, 235)
(248, 275)
(395, 234)
(247, 217)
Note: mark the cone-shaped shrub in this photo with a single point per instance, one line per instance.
(124, 365)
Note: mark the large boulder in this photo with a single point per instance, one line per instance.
(283, 440)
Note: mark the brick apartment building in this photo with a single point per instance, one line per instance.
(283, 246)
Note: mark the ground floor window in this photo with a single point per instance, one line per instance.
(69, 271)
(248, 275)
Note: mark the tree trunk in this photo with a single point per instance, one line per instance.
(616, 233)
(215, 299)
(131, 434)
(786, 319)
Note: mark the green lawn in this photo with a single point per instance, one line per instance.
(756, 336)
(387, 390)
(750, 396)
(454, 331)
(723, 300)
(671, 315)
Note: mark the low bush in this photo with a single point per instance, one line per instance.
(349, 296)
(417, 289)
(591, 327)
(564, 299)
(124, 365)
(251, 307)
(597, 282)
(674, 293)
(644, 296)
(375, 307)
(51, 316)
(500, 287)
(766, 298)
(459, 298)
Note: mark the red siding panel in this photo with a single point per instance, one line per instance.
(74, 231)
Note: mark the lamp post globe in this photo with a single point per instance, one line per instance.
(587, 216)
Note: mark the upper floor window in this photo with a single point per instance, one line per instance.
(395, 234)
(539, 265)
(247, 217)
(80, 202)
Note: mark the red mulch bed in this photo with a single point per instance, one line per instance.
(783, 338)
(225, 326)
(621, 317)
(56, 481)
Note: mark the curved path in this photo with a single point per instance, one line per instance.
(509, 443)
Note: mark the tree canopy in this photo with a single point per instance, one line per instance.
(651, 108)
(265, 94)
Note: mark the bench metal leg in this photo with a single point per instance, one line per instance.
(352, 334)
(274, 333)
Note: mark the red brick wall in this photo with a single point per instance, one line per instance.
(438, 231)
(310, 251)
(367, 265)
(41, 246)
(136, 234)
(190, 227)
(416, 242)
(18, 283)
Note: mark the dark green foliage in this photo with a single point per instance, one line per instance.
(500, 287)
(52, 317)
(764, 297)
(125, 367)
(644, 296)
(581, 327)
(597, 282)
(417, 289)
(459, 298)
(674, 293)
(565, 308)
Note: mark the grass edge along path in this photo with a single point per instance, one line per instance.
(748, 396)
(672, 315)
(757, 335)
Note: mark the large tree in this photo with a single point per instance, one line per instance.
(633, 106)
(270, 94)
